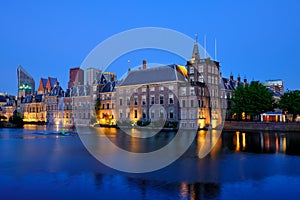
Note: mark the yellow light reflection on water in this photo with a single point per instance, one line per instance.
(237, 147)
(244, 140)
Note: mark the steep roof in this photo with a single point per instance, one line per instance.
(52, 81)
(109, 87)
(153, 75)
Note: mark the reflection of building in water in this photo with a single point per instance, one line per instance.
(199, 191)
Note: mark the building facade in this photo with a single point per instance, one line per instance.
(188, 96)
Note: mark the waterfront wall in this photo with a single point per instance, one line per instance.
(261, 126)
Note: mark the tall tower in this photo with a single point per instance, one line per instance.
(76, 77)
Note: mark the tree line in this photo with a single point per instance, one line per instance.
(254, 99)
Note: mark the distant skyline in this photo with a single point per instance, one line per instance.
(257, 39)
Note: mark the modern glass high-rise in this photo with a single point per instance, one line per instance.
(26, 84)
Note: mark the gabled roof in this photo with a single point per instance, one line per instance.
(52, 81)
(44, 82)
(231, 84)
(153, 75)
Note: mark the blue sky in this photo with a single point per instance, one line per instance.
(255, 38)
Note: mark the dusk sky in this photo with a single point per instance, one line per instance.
(257, 39)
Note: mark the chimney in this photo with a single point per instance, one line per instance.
(144, 64)
(239, 78)
(231, 77)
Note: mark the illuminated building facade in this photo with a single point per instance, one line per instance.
(33, 108)
(26, 84)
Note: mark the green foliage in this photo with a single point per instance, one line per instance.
(252, 99)
(143, 122)
(17, 120)
(290, 102)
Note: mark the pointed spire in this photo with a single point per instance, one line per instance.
(128, 65)
(196, 55)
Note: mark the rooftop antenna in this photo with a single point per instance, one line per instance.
(215, 49)
(205, 54)
(128, 65)
(196, 38)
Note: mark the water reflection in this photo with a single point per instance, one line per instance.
(252, 160)
(263, 142)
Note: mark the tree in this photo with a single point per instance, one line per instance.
(252, 100)
(290, 103)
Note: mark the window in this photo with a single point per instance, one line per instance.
(135, 90)
(128, 101)
(135, 101)
(192, 114)
(209, 79)
(144, 100)
(127, 91)
(143, 89)
(120, 91)
(191, 70)
(183, 103)
(135, 113)
(161, 99)
(201, 68)
(152, 89)
(192, 79)
(183, 91)
(128, 113)
(152, 99)
(144, 114)
(183, 115)
(152, 114)
(171, 87)
(192, 91)
(112, 106)
(171, 113)
(201, 79)
(161, 88)
(121, 102)
(192, 103)
(120, 114)
(171, 98)
(161, 113)
(107, 106)
(103, 105)
(103, 97)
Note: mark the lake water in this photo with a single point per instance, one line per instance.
(38, 163)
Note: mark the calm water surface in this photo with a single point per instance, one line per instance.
(38, 163)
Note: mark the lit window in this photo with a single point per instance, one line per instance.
(171, 87)
(161, 88)
(152, 89)
(143, 89)
(192, 91)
